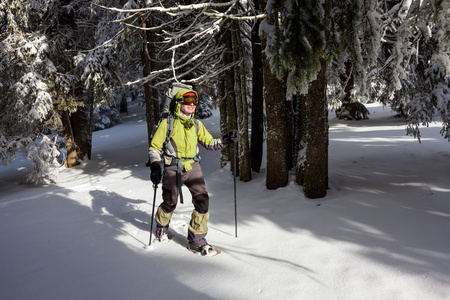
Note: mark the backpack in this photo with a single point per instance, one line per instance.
(170, 101)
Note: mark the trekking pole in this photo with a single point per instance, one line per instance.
(155, 187)
(234, 182)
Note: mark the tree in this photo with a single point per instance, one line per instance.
(62, 29)
(276, 113)
(149, 61)
(277, 174)
(29, 79)
(301, 38)
(228, 113)
(315, 177)
(257, 103)
(51, 79)
(414, 74)
(241, 94)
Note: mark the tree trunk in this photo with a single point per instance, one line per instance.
(221, 91)
(230, 98)
(151, 95)
(245, 172)
(71, 147)
(75, 135)
(316, 167)
(124, 104)
(91, 122)
(257, 136)
(277, 173)
(300, 133)
(277, 161)
(79, 129)
(289, 135)
(75, 132)
(79, 124)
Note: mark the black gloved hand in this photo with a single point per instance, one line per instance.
(231, 137)
(155, 174)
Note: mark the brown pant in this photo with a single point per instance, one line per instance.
(195, 182)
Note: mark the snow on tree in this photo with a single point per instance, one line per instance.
(26, 99)
(43, 46)
(304, 39)
(416, 66)
(354, 37)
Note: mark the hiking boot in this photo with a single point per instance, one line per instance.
(204, 250)
(161, 235)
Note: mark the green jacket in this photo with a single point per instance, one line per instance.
(184, 141)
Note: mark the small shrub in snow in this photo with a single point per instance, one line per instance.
(106, 117)
(204, 110)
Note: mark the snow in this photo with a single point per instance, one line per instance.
(382, 232)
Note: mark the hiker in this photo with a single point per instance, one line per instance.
(181, 164)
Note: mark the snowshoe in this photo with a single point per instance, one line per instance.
(205, 250)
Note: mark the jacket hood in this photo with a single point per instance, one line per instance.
(180, 93)
(179, 97)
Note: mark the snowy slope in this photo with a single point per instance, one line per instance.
(381, 233)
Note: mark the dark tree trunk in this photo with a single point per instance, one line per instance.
(71, 147)
(316, 168)
(277, 152)
(230, 99)
(300, 133)
(225, 153)
(124, 104)
(257, 136)
(78, 121)
(245, 172)
(91, 122)
(277, 173)
(289, 115)
(75, 135)
(78, 143)
(151, 94)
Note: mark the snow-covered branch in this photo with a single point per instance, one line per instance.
(180, 8)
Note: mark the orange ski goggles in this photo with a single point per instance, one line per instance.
(189, 98)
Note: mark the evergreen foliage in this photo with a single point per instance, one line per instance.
(29, 79)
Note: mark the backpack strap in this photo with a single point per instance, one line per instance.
(196, 125)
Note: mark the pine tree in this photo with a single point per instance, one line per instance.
(415, 70)
(305, 35)
(241, 99)
(277, 174)
(49, 79)
(26, 96)
(257, 103)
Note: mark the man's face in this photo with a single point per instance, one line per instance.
(189, 108)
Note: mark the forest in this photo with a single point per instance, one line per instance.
(275, 69)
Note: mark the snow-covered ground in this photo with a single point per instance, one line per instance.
(382, 232)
